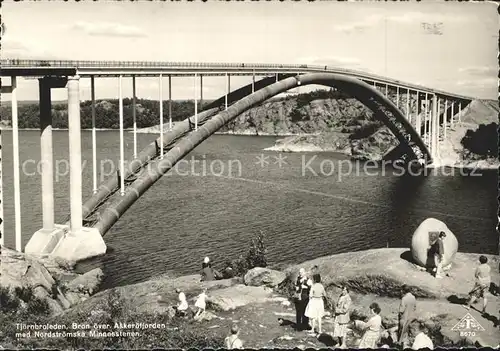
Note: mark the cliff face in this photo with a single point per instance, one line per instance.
(291, 116)
(329, 124)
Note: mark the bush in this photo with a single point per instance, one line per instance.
(24, 293)
(256, 257)
(37, 306)
(8, 301)
(483, 141)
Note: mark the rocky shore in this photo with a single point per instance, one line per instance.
(52, 279)
(260, 302)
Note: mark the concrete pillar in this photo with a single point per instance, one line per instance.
(227, 89)
(445, 119)
(408, 114)
(195, 104)
(452, 113)
(386, 90)
(47, 162)
(459, 112)
(122, 146)
(397, 96)
(170, 102)
(201, 91)
(434, 123)
(2, 232)
(76, 242)
(438, 122)
(418, 118)
(253, 81)
(94, 146)
(426, 124)
(15, 155)
(134, 116)
(160, 93)
(75, 152)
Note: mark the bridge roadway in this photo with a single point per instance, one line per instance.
(31, 68)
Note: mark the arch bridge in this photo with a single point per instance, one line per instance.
(419, 118)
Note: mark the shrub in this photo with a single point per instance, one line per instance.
(8, 301)
(37, 306)
(24, 293)
(483, 141)
(256, 257)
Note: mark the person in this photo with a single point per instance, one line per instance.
(342, 316)
(372, 329)
(482, 284)
(207, 272)
(407, 311)
(182, 308)
(437, 248)
(233, 341)
(302, 287)
(200, 303)
(421, 341)
(315, 309)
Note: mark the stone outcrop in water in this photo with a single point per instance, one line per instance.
(420, 242)
(52, 279)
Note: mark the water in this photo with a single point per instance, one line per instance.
(187, 217)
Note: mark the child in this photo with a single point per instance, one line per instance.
(201, 303)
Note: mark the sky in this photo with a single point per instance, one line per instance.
(442, 45)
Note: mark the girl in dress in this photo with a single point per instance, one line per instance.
(315, 309)
(342, 317)
(372, 329)
(201, 303)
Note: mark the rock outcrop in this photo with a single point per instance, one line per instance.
(259, 276)
(237, 296)
(420, 242)
(51, 279)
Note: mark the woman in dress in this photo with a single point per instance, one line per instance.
(482, 284)
(342, 316)
(372, 329)
(315, 307)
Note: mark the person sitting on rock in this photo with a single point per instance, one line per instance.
(342, 316)
(233, 341)
(421, 341)
(207, 272)
(407, 311)
(200, 304)
(302, 287)
(482, 284)
(437, 249)
(181, 309)
(372, 328)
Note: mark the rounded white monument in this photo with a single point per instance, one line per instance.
(424, 236)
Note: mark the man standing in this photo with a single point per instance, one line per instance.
(407, 311)
(302, 288)
(438, 249)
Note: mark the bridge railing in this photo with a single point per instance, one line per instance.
(19, 63)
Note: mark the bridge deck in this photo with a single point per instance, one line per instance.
(30, 68)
